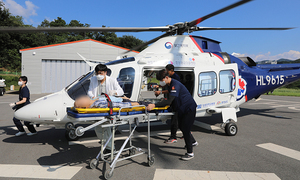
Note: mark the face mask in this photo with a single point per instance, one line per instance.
(100, 77)
(162, 83)
(20, 83)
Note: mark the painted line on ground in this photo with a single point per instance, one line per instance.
(36, 171)
(206, 126)
(293, 108)
(281, 150)
(6, 103)
(170, 174)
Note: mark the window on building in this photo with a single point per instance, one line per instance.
(207, 84)
(126, 80)
(227, 81)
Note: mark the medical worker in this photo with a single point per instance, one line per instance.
(174, 119)
(101, 83)
(24, 97)
(183, 103)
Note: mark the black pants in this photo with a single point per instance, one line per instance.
(19, 125)
(185, 123)
(174, 126)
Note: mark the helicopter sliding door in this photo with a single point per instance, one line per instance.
(215, 87)
(149, 82)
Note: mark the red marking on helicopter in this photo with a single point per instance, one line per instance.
(196, 43)
(219, 57)
(198, 21)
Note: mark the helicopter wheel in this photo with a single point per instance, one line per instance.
(70, 135)
(231, 129)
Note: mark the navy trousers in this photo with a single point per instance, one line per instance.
(185, 123)
(19, 125)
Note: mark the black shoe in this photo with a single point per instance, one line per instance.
(187, 157)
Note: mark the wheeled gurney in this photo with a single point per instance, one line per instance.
(114, 117)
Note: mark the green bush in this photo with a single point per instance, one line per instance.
(10, 80)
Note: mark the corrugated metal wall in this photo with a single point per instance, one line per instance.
(62, 64)
(57, 74)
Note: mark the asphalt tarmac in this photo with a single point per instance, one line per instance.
(266, 146)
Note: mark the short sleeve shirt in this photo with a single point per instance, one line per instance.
(24, 93)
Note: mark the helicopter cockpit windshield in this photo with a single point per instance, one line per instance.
(80, 87)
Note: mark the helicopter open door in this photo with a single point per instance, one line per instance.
(216, 92)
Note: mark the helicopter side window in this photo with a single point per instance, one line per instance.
(227, 81)
(207, 84)
(126, 79)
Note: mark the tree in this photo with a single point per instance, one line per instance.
(107, 37)
(130, 42)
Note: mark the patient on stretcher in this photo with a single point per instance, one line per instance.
(86, 102)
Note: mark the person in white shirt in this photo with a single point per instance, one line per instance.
(101, 83)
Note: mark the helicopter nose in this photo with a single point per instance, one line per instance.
(35, 112)
(47, 109)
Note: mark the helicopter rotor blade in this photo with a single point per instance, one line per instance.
(213, 28)
(81, 29)
(197, 21)
(148, 42)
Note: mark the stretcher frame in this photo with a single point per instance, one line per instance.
(113, 121)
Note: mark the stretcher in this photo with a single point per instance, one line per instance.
(112, 118)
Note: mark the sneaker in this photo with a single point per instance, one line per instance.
(170, 141)
(187, 157)
(31, 134)
(194, 144)
(20, 133)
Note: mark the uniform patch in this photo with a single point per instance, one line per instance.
(173, 89)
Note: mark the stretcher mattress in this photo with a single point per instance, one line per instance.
(101, 112)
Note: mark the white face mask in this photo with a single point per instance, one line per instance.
(20, 83)
(100, 77)
(162, 83)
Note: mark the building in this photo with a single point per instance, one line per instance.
(51, 68)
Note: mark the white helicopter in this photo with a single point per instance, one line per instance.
(219, 82)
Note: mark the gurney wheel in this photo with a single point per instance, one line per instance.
(70, 135)
(69, 126)
(93, 163)
(151, 161)
(107, 175)
(131, 152)
(78, 131)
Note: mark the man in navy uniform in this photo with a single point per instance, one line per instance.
(174, 119)
(183, 103)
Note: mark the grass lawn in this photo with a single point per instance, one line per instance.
(285, 92)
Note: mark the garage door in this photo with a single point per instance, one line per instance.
(57, 74)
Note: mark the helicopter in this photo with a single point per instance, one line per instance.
(219, 82)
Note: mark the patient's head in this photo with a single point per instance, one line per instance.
(83, 102)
